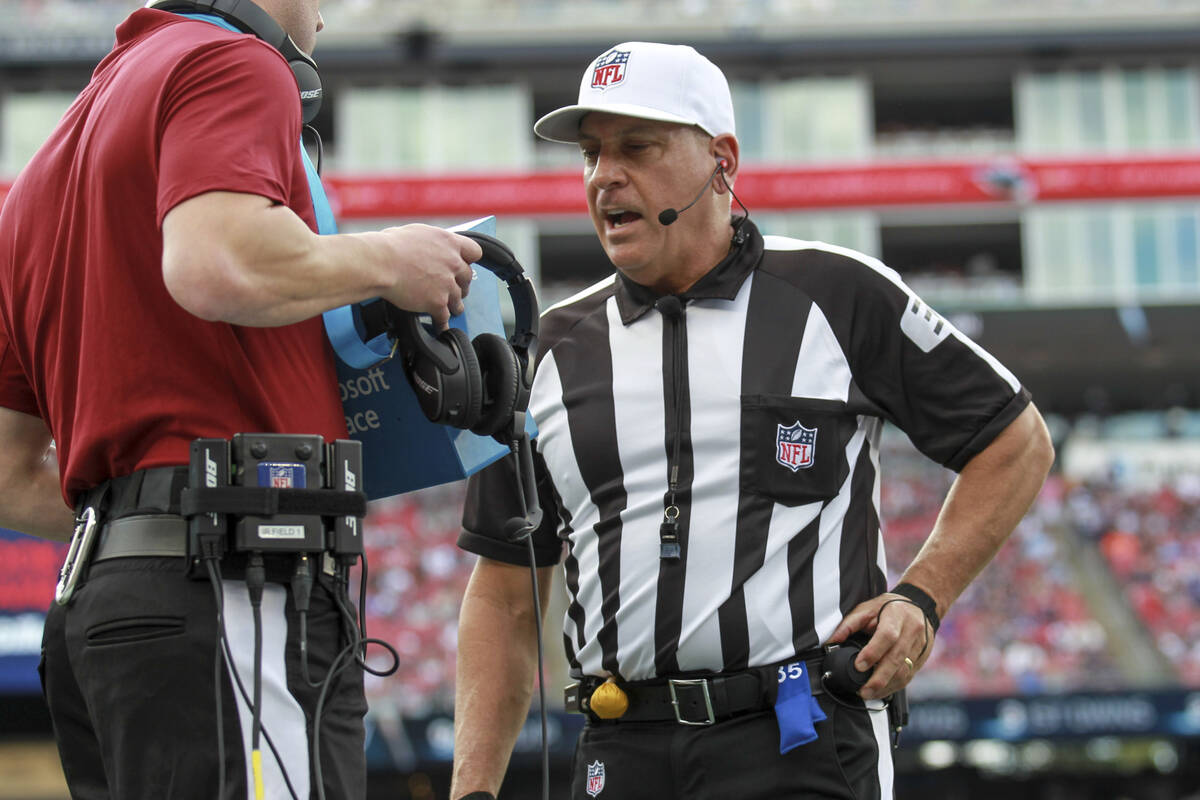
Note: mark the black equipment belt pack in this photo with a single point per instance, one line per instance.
(265, 493)
(274, 493)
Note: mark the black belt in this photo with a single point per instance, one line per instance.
(701, 700)
(154, 536)
(148, 491)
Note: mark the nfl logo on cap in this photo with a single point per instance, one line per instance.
(647, 80)
(610, 69)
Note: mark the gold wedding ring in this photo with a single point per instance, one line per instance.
(908, 662)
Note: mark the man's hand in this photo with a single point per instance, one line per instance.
(433, 270)
(900, 643)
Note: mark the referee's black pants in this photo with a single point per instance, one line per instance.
(128, 675)
(737, 758)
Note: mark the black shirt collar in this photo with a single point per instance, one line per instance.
(719, 283)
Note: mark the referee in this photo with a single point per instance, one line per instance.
(709, 424)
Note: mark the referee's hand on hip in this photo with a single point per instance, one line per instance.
(900, 643)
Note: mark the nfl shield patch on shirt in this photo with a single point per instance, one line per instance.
(795, 446)
(780, 459)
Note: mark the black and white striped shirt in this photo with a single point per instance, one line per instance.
(763, 389)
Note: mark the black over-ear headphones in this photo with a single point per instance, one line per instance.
(248, 17)
(480, 384)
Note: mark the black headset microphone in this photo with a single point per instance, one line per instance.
(249, 18)
(669, 215)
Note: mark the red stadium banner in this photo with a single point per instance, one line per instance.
(782, 188)
(996, 180)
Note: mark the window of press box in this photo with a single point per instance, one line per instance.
(966, 262)
(927, 109)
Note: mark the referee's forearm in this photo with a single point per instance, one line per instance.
(991, 495)
(497, 659)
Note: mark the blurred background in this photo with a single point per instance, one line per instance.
(1032, 169)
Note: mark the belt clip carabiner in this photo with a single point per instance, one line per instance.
(78, 553)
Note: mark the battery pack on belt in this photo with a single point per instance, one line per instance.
(274, 493)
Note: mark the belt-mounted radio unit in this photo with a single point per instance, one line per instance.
(274, 493)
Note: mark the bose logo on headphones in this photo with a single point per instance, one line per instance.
(311, 94)
(424, 386)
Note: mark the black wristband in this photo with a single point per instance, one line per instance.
(921, 600)
(478, 796)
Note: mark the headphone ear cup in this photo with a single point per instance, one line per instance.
(501, 379)
(462, 402)
(309, 82)
(521, 403)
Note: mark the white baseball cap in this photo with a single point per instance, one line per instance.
(666, 82)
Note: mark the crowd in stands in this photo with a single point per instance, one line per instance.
(416, 577)
(1150, 540)
(977, 277)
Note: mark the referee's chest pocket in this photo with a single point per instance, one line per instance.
(793, 449)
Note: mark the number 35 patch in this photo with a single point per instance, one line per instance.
(793, 671)
(796, 709)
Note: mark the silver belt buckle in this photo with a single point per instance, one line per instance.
(703, 684)
(78, 553)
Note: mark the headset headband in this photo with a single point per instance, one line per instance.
(498, 259)
(250, 18)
